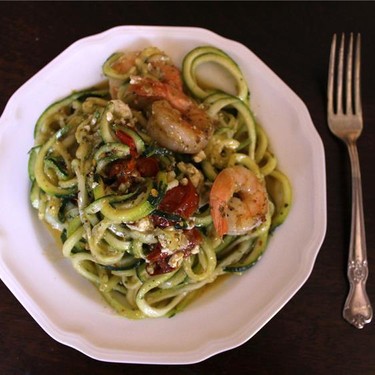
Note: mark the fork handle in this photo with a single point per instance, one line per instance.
(357, 308)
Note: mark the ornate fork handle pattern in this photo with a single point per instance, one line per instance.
(357, 309)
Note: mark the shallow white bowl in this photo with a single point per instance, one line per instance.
(68, 307)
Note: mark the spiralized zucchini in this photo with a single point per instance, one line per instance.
(134, 217)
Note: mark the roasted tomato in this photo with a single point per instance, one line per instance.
(182, 200)
(194, 237)
(159, 260)
(122, 170)
(148, 167)
(127, 140)
(161, 222)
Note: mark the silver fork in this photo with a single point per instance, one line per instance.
(345, 121)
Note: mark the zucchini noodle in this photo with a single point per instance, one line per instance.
(114, 174)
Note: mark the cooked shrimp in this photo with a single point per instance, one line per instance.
(176, 122)
(166, 73)
(159, 67)
(125, 62)
(186, 132)
(152, 89)
(122, 65)
(238, 201)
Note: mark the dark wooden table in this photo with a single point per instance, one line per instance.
(308, 336)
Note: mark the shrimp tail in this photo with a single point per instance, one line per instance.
(156, 90)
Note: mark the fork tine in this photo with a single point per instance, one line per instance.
(331, 74)
(340, 75)
(349, 74)
(357, 77)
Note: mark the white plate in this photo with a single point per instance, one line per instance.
(68, 307)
